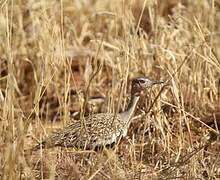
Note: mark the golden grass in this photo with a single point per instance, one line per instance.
(56, 55)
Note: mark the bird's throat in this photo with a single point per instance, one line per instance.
(129, 112)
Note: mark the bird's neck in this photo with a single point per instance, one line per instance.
(129, 112)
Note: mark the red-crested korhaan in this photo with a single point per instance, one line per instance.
(100, 129)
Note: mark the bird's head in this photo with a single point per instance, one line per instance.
(141, 83)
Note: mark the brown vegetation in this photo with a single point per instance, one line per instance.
(55, 56)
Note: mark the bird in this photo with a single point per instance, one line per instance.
(101, 129)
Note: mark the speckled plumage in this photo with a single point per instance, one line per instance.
(99, 129)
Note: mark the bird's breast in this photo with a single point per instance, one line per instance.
(124, 132)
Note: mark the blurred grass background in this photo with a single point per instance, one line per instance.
(49, 50)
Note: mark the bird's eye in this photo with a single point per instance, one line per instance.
(141, 81)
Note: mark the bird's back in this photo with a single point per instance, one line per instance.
(95, 130)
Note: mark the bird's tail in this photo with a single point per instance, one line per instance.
(35, 148)
(39, 146)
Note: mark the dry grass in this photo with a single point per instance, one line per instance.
(56, 55)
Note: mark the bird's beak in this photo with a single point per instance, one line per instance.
(157, 82)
